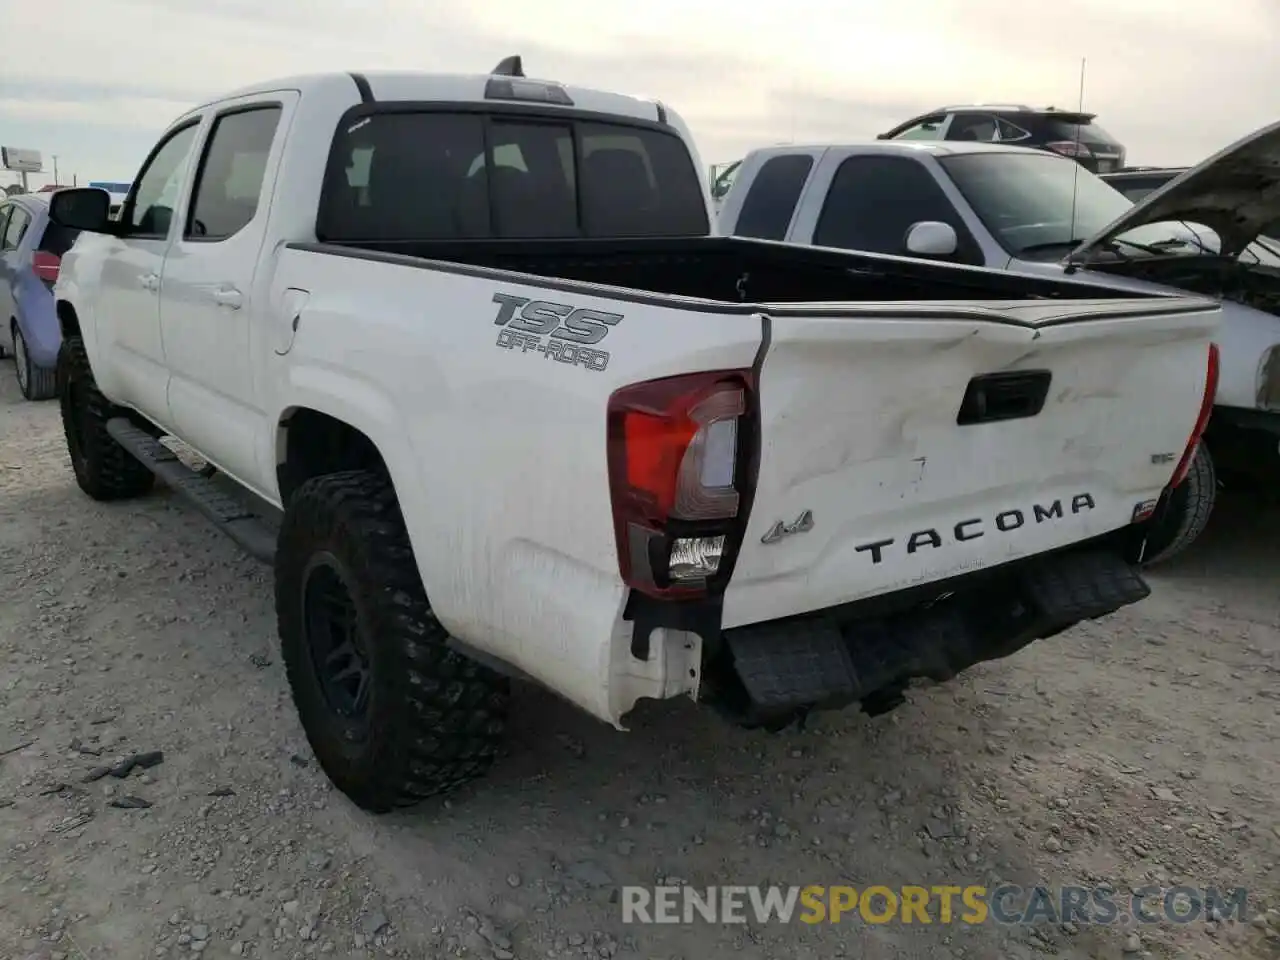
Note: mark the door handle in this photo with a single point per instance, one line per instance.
(149, 281)
(228, 297)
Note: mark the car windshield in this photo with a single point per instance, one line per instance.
(1040, 207)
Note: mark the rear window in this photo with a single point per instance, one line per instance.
(57, 239)
(1088, 132)
(431, 175)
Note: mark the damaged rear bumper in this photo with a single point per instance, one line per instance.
(837, 657)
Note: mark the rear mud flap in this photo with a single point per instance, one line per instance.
(790, 666)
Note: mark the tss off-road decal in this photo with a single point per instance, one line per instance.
(558, 331)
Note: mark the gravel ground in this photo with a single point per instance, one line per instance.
(1142, 750)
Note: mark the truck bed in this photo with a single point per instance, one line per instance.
(732, 270)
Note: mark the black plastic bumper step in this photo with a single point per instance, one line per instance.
(818, 660)
(229, 515)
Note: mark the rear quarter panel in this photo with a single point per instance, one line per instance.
(497, 450)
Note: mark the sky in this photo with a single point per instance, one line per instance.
(95, 82)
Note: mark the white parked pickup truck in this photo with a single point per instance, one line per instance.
(470, 342)
(1011, 208)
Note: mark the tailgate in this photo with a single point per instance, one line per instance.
(877, 474)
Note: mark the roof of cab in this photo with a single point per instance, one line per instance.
(443, 87)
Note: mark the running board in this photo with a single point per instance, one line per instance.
(227, 514)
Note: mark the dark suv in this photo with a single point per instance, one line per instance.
(1066, 132)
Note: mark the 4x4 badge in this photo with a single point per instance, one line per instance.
(801, 524)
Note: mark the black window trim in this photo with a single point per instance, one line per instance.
(6, 211)
(126, 208)
(968, 249)
(186, 236)
(490, 110)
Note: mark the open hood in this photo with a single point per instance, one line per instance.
(1236, 193)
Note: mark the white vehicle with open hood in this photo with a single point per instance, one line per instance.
(479, 382)
(1010, 208)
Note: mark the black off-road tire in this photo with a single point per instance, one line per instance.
(433, 719)
(35, 382)
(104, 469)
(1188, 513)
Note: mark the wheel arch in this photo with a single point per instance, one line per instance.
(68, 319)
(311, 442)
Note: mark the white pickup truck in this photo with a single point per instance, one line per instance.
(516, 411)
(1011, 208)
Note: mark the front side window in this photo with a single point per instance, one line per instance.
(929, 128)
(402, 176)
(874, 200)
(160, 186)
(225, 197)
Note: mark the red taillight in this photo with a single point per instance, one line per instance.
(1202, 421)
(1069, 148)
(678, 467)
(45, 266)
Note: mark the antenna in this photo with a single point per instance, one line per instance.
(1075, 178)
(794, 93)
(509, 67)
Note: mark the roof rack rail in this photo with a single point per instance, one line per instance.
(509, 67)
(979, 106)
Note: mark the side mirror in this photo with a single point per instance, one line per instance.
(82, 208)
(931, 238)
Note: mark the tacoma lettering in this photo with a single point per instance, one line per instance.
(1006, 521)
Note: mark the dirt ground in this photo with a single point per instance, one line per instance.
(1137, 751)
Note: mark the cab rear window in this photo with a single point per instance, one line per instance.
(1085, 132)
(433, 175)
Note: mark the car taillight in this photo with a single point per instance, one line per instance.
(1202, 421)
(1069, 148)
(45, 266)
(680, 463)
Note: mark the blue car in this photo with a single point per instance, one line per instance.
(31, 250)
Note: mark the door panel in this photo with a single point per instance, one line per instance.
(208, 301)
(14, 223)
(129, 301)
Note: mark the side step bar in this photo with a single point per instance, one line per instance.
(228, 515)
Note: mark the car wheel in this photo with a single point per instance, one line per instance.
(1190, 505)
(104, 469)
(35, 382)
(393, 714)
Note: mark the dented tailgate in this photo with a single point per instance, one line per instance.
(908, 443)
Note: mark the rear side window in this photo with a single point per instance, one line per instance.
(19, 220)
(231, 173)
(771, 199)
(403, 176)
